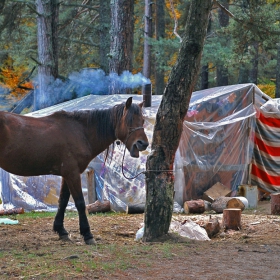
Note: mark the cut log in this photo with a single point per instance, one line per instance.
(223, 202)
(194, 206)
(99, 207)
(213, 227)
(275, 203)
(11, 211)
(135, 209)
(232, 218)
(235, 202)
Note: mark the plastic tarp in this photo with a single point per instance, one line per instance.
(266, 156)
(216, 146)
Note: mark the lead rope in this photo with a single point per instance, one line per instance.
(142, 172)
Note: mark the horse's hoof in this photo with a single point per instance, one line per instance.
(90, 241)
(65, 238)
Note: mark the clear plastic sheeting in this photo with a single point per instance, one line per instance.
(216, 146)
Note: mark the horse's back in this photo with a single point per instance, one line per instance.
(34, 146)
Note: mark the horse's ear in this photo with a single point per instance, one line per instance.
(128, 102)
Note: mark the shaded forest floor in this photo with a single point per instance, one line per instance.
(30, 250)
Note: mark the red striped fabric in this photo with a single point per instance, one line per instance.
(266, 157)
(273, 151)
(270, 121)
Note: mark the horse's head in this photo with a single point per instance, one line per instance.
(130, 129)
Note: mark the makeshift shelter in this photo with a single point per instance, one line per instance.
(266, 156)
(216, 146)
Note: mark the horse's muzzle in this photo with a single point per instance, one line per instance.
(140, 145)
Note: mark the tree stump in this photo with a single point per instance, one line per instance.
(194, 206)
(212, 227)
(99, 206)
(232, 218)
(275, 203)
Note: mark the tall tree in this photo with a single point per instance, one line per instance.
(47, 21)
(169, 122)
(222, 70)
(122, 28)
(160, 34)
(104, 33)
(148, 31)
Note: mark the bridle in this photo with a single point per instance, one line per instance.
(130, 132)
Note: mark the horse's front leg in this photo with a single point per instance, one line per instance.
(77, 194)
(62, 204)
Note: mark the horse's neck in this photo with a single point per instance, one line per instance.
(104, 131)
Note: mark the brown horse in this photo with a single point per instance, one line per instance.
(63, 144)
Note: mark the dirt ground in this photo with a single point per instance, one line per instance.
(30, 250)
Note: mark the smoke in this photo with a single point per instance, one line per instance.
(87, 81)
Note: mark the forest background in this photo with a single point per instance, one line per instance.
(242, 43)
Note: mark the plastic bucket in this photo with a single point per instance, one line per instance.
(251, 193)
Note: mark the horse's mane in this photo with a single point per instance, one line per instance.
(106, 120)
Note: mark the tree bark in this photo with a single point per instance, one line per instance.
(204, 77)
(47, 37)
(160, 33)
(232, 218)
(253, 74)
(122, 28)
(275, 203)
(169, 123)
(222, 71)
(104, 34)
(194, 206)
(99, 207)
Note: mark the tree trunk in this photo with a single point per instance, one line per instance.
(122, 28)
(243, 74)
(160, 33)
(47, 22)
(254, 62)
(104, 34)
(277, 94)
(222, 71)
(204, 77)
(169, 123)
(147, 35)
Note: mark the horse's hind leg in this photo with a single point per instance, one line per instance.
(62, 204)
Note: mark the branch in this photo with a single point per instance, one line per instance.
(245, 24)
(77, 41)
(39, 63)
(175, 21)
(96, 8)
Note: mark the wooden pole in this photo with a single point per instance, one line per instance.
(275, 203)
(91, 185)
(232, 218)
